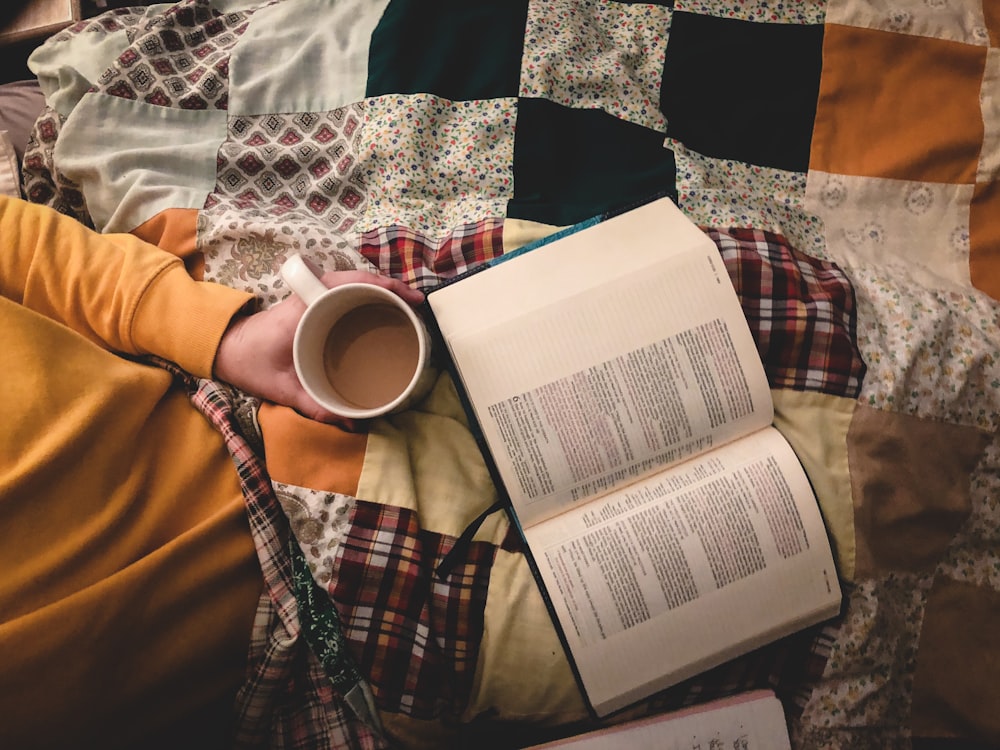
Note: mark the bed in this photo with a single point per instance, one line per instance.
(843, 155)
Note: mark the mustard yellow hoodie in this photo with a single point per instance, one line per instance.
(128, 578)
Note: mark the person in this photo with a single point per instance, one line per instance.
(130, 579)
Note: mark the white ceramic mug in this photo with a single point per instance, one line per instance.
(360, 351)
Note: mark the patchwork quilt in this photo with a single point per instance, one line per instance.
(842, 154)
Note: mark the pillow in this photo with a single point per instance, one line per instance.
(10, 181)
(20, 104)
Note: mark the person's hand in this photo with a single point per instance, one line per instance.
(255, 353)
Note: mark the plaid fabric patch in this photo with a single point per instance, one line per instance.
(801, 311)
(416, 636)
(424, 262)
(287, 699)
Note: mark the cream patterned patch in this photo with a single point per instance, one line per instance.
(285, 183)
(432, 164)
(305, 161)
(954, 20)
(723, 193)
(867, 682)
(758, 11)
(880, 219)
(921, 344)
(989, 102)
(597, 55)
(318, 521)
(245, 249)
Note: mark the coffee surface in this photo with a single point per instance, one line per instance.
(371, 354)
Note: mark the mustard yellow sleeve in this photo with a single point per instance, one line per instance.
(116, 290)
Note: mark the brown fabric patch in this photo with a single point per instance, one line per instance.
(955, 688)
(910, 482)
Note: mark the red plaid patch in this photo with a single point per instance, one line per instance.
(424, 262)
(801, 311)
(416, 636)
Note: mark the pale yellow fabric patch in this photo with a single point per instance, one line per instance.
(816, 425)
(519, 232)
(427, 460)
(523, 672)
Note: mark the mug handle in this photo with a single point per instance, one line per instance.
(301, 279)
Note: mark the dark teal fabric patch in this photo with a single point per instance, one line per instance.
(572, 164)
(742, 90)
(455, 49)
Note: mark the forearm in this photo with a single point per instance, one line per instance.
(116, 290)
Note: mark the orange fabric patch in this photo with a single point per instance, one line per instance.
(984, 238)
(311, 454)
(873, 121)
(175, 230)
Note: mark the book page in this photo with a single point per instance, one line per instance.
(676, 573)
(750, 721)
(585, 386)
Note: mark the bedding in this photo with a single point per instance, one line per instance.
(842, 154)
(10, 176)
(20, 103)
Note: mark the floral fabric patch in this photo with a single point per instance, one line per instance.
(758, 11)
(908, 336)
(724, 193)
(885, 220)
(598, 55)
(432, 164)
(318, 521)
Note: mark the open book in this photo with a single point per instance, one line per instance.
(622, 400)
(749, 721)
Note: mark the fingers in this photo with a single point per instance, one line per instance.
(296, 397)
(401, 288)
(314, 411)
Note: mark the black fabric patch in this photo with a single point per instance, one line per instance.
(741, 90)
(455, 49)
(573, 164)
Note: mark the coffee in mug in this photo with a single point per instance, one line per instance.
(371, 354)
(360, 350)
